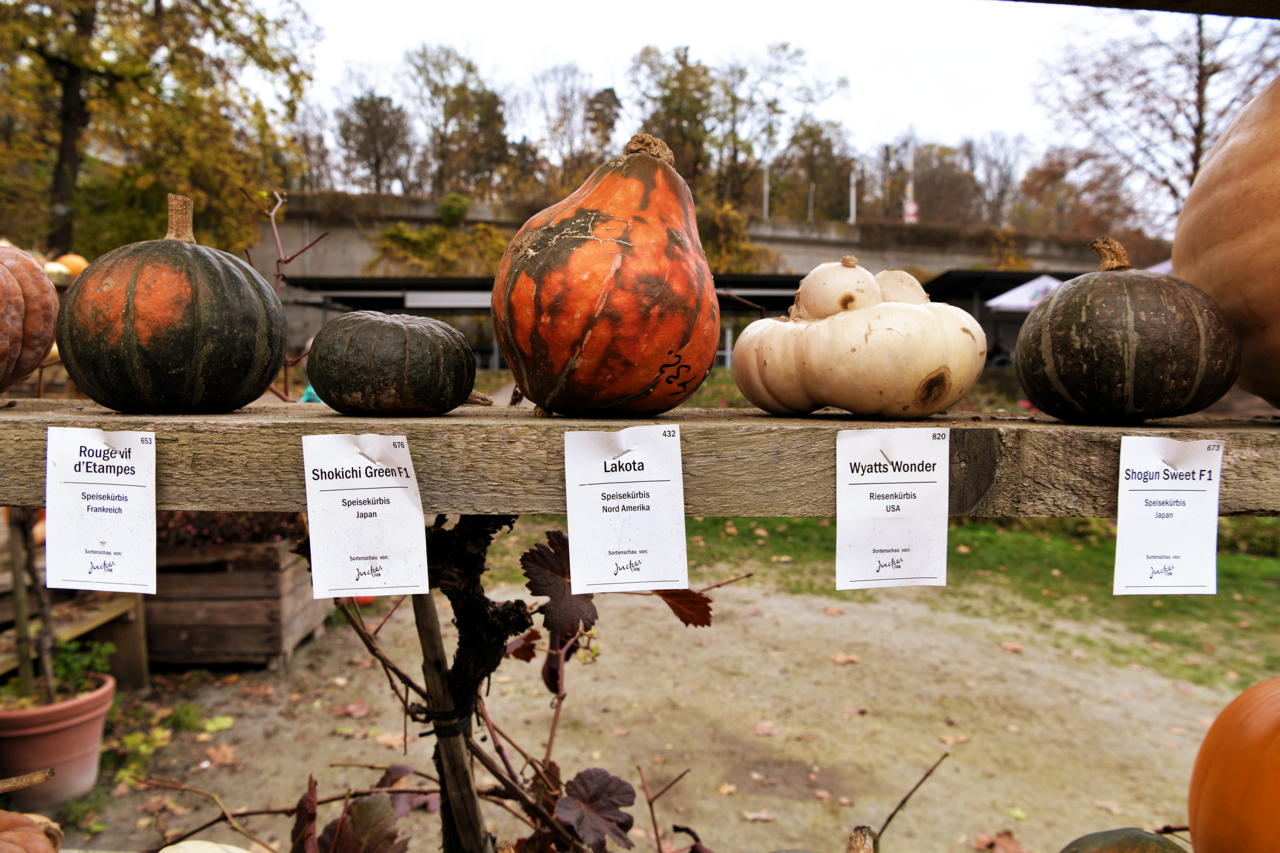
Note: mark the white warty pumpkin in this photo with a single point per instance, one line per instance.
(871, 345)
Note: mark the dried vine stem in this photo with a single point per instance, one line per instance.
(286, 811)
(26, 780)
(227, 815)
(532, 805)
(907, 796)
(651, 798)
(371, 645)
(282, 261)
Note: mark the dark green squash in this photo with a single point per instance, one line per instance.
(1127, 840)
(370, 363)
(1120, 346)
(171, 327)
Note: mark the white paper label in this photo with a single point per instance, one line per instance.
(1167, 520)
(364, 514)
(100, 501)
(892, 488)
(625, 496)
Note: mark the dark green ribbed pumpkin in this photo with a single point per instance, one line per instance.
(1128, 840)
(370, 363)
(171, 327)
(1121, 346)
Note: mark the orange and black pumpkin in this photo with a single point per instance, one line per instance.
(1128, 840)
(28, 315)
(171, 327)
(604, 304)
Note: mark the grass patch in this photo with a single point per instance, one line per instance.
(1228, 638)
(1041, 573)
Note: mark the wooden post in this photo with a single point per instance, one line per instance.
(455, 765)
(128, 633)
(21, 610)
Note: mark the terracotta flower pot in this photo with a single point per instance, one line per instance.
(66, 736)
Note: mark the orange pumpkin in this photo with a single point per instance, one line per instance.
(604, 304)
(1225, 242)
(171, 327)
(28, 315)
(1233, 803)
(74, 263)
(28, 833)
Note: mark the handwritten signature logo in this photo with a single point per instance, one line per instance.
(679, 369)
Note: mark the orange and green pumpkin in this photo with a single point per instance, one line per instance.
(603, 304)
(1121, 346)
(171, 327)
(28, 315)
(1233, 804)
(1127, 840)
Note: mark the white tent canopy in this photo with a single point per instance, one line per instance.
(1025, 296)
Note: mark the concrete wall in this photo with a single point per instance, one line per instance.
(353, 222)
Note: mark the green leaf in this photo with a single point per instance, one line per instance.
(219, 723)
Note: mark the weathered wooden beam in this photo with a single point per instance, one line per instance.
(736, 462)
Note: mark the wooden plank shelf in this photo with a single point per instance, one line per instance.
(115, 617)
(736, 462)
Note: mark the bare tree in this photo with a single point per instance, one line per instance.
(571, 119)
(314, 170)
(996, 161)
(1154, 103)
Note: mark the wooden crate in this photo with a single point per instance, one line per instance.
(243, 603)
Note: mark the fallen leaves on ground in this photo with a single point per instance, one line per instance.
(389, 740)
(222, 755)
(219, 723)
(761, 816)
(1001, 842)
(843, 658)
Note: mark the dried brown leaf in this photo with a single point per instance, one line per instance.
(691, 607)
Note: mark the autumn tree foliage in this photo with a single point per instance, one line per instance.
(110, 105)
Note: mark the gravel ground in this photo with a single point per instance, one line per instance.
(797, 718)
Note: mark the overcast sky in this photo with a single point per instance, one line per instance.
(950, 69)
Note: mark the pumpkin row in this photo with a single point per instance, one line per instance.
(603, 305)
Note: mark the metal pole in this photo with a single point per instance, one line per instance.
(765, 200)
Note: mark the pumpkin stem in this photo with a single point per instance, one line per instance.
(644, 143)
(1111, 254)
(180, 219)
(848, 261)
